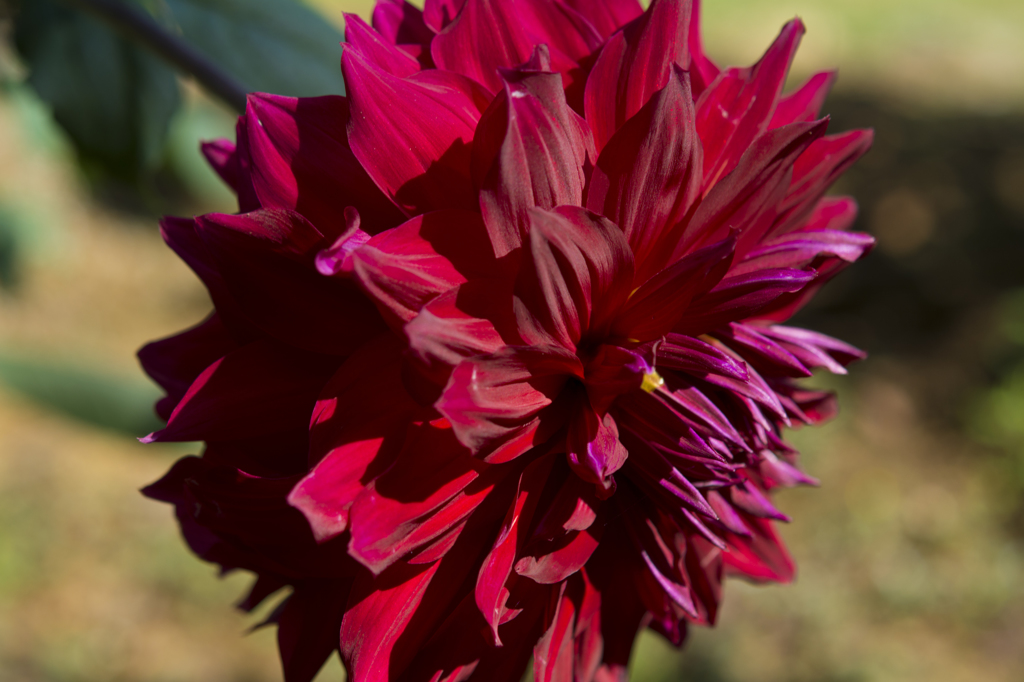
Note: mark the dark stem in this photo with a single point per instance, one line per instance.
(139, 26)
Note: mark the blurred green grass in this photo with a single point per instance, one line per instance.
(910, 554)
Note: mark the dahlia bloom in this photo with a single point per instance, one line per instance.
(496, 368)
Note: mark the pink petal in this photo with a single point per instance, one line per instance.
(737, 298)
(634, 64)
(413, 135)
(698, 358)
(594, 450)
(607, 16)
(649, 174)
(531, 151)
(760, 557)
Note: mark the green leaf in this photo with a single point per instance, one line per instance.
(113, 98)
(278, 46)
(103, 400)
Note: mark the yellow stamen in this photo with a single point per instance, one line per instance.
(652, 382)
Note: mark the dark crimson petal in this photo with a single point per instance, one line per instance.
(607, 16)
(659, 303)
(693, 402)
(492, 401)
(413, 135)
(703, 71)
(647, 463)
(301, 160)
(738, 106)
(337, 258)
(531, 151)
(634, 64)
(805, 103)
(491, 592)
(578, 264)
(437, 14)
(356, 431)
(817, 169)
(223, 157)
(594, 450)
(806, 248)
(740, 297)
(308, 624)
(175, 362)
(760, 557)
(404, 268)
(698, 358)
(649, 174)
(753, 387)
(744, 202)
(238, 169)
(266, 261)
(421, 496)
(611, 372)
(401, 23)
(373, 47)
(257, 389)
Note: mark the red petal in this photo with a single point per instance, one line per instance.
(413, 135)
(301, 161)
(594, 450)
(649, 174)
(553, 656)
(404, 268)
(493, 401)
(805, 103)
(578, 265)
(738, 106)
(760, 557)
(634, 64)
(531, 151)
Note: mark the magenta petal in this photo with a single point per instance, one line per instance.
(413, 135)
(258, 389)
(649, 174)
(750, 499)
(802, 249)
(373, 47)
(531, 151)
(738, 106)
(493, 401)
(697, 357)
(761, 350)
(805, 103)
(577, 262)
(437, 14)
(554, 564)
(634, 64)
(337, 258)
(594, 450)
(761, 556)
(831, 213)
(301, 161)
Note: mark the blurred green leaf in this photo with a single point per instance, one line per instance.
(102, 400)
(10, 250)
(114, 99)
(278, 46)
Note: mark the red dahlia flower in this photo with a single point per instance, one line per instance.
(496, 367)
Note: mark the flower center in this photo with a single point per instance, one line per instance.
(652, 381)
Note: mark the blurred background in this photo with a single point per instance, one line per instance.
(911, 553)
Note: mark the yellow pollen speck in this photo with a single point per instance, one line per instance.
(652, 382)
